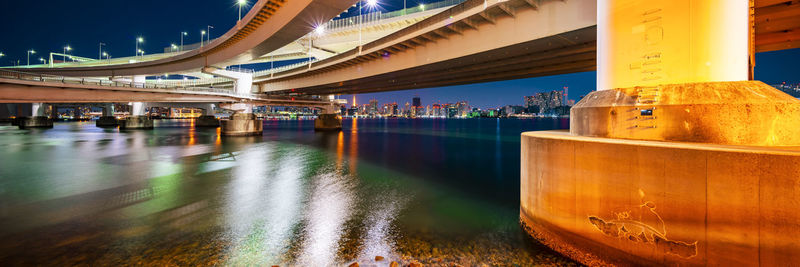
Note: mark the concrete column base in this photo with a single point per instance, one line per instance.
(35, 122)
(136, 122)
(107, 121)
(328, 122)
(206, 121)
(242, 124)
(607, 201)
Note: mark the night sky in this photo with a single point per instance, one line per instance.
(49, 25)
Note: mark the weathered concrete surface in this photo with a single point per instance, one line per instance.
(328, 122)
(136, 122)
(629, 202)
(107, 121)
(242, 124)
(206, 121)
(35, 122)
(735, 113)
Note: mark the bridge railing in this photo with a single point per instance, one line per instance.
(8, 74)
(376, 17)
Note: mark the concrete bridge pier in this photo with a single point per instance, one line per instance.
(38, 118)
(207, 119)
(677, 159)
(328, 119)
(243, 122)
(108, 119)
(137, 118)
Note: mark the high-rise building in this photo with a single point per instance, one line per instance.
(544, 102)
(417, 102)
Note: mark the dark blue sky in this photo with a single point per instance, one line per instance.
(47, 26)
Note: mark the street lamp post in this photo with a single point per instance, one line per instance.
(208, 31)
(30, 52)
(182, 35)
(202, 34)
(370, 3)
(138, 40)
(107, 56)
(241, 3)
(66, 49)
(100, 52)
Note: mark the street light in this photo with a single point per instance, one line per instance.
(208, 29)
(370, 3)
(42, 60)
(241, 4)
(100, 51)
(66, 49)
(138, 40)
(2, 55)
(174, 47)
(30, 52)
(182, 35)
(202, 34)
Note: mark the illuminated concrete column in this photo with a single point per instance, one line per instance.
(677, 159)
(39, 109)
(137, 118)
(139, 79)
(108, 119)
(242, 122)
(329, 119)
(208, 119)
(243, 81)
(38, 118)
(652, 42)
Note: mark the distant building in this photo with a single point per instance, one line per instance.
(417, 102)
(546, 102)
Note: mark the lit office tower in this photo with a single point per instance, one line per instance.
(417, 102)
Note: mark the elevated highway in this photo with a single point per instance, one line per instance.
(476, 41)
(18, 87)
(270, 25)
(481, 41)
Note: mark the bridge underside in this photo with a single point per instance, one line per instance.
(569, 52)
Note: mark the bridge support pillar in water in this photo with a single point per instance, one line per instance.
(207, 119)
(108, 119)
(242, 123)
(137, 119)
(328, 119)
(38, 118)
(677, 159)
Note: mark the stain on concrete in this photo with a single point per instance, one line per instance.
(637, 230)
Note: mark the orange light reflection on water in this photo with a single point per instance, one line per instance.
(339, 150)
(354, 146)
(219, 136)
(192, 133)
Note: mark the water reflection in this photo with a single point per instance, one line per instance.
(176, 195)
(330, 206)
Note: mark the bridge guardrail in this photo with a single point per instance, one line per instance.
(375, 17)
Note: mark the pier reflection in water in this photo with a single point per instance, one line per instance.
(437, 191)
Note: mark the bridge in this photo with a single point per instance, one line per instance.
(664, 163)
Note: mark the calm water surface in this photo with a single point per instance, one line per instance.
(433, 190)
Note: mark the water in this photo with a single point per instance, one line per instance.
(433, 190)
